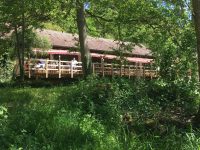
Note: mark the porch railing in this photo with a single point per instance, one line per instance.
(59, 69)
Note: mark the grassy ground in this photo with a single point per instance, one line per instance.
(92, 114)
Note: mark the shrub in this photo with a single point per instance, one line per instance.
(6, 68)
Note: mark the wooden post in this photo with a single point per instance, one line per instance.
(125, 70)
(151, 71)
(29, 69)
(71, 70)
(112, 73)
(93, 68)
(59, 68)
(103, 70)
(136, 71)
(129, 75)
(46, 64)
(143, 67)
(102, 67)
(79, 57)
(120, 70)
(140, 69)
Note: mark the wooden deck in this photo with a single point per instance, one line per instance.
(62, 69)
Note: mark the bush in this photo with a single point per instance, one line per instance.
(176, 94)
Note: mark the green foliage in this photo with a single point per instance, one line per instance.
(32, 40)
(52, 26)
(177, 93)
(41, 42)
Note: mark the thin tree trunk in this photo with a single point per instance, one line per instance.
(18, 52)
(196, 15)
(82, 30)
(23, 39)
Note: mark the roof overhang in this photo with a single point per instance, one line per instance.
(95, 55)
(130, 59)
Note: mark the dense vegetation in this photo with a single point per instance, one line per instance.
(100, 114)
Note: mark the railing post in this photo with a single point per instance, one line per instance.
(102, 67)
(143, 67)
(103, 70)
(140, 69)
(124, 70)
(151, 71)
(71, 70)
(120, 70)
(59, 68)
(29, 69)
(93, 68)
(136, 71)
(46, 64)
(112, 73)
(129, 75)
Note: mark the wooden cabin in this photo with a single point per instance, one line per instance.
(109, 57)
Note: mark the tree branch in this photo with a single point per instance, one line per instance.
(97, 16)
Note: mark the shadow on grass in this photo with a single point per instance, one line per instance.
(15, 98)
(43, 82)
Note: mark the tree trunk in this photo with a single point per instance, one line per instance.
(21, 67)
(82, 30)
(196, 15)
(23, 40)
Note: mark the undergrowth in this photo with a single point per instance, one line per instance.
(100, 114)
